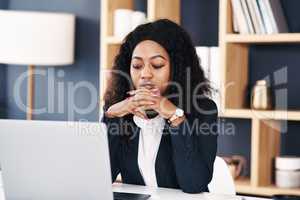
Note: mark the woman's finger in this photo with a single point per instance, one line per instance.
(148, 107)
(143, 103)
(139, 114)
(134, 92)
(140, 97)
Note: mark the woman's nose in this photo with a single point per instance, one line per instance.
(146, 73)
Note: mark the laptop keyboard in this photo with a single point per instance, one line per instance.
(130, 196)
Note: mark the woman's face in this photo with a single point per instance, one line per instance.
(150, 66)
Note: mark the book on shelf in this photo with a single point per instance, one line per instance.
(271, 18)
(255, 18)
(258, 17)
(278, 20)
(247, 16)
(240, 17)
(210, 62)
(266, 17)
(234, 24)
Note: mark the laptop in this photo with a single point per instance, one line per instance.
(56, 160)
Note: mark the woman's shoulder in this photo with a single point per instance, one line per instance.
(208, 102)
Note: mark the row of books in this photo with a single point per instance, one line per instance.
(258, 17)
(209, 58)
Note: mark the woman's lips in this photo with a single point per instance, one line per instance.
(147, 85)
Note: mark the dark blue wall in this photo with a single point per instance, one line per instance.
(2, 91)
(200, 19)
(3, 5)
(86, 67)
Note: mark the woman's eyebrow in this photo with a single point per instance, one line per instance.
(157, 56)
(151, 58)
(137, 57)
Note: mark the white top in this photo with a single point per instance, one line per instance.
(149, 141)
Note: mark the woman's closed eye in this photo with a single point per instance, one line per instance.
(158, 66)
(137, 66)
(155, 66)
(158, 62)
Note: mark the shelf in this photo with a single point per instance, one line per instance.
(243, 186)
(236, 113)
(263, 38)
(273, 115)
(113, 40)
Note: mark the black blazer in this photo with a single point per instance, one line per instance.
(185, 157)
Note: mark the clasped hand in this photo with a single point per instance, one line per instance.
(140, 100)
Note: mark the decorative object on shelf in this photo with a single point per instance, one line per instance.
(236, 165)
(287, 172)
(261, 96)
(36, 38)
(122, 22)
(137, 18)
(125, 20)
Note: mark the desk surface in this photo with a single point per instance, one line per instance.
(172, 194)
(166, 194)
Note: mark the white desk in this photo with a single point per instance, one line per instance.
(166, 194)
(171, 194)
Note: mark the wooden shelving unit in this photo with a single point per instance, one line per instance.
(156, 9)
(265, 129)
(244, 186)
(256, 39)
(268, 114)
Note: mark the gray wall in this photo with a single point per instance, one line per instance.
(86, 67)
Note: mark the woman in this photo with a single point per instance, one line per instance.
(161, 125)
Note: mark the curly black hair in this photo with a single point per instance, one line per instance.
(183, 60)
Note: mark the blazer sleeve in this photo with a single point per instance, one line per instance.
(112, 125)
(194, 144)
